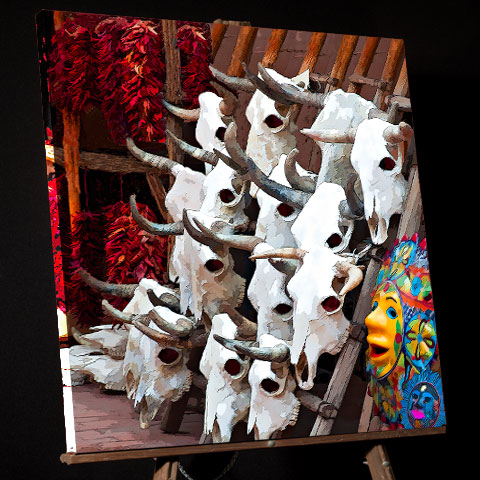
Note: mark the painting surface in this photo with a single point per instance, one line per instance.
(233, 210)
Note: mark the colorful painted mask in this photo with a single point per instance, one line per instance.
(402, 355)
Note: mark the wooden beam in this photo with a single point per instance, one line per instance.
(217, 32)
(379, 463)
(166, 471)
(395, 51)
(242, 50)
(158, 192)
(342, 61)
(364, 62)
(272, 50)
(314, 47)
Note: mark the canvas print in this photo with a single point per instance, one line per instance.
(238, 236)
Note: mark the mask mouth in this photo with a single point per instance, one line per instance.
(377, 351)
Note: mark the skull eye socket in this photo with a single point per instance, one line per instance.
(334, 240)
(283, 308)
(168, 355)
(232, 367)
(220, 133)
(226, 196)
(285, 210)
(331, 303)
(272, 121)
(270, 386)
(387, 163)
(214, 265)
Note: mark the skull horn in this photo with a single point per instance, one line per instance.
(286, 266)
(195, 152)
(235, 83)
(214, 245)
(331, 135)
(279, 353)
(120, 290)
(183, 327)
(164, 164)
(398, 133)
(288, 195)
(174, 228)
(230, 101)
(353, 273)
(291, 94)
(187, 115)
(285, 252)
(299, 182)
(166, 299)
(129, 318)
(351, 208)
(246, 327)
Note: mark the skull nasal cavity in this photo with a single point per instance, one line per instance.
(168, 355)
(334, 240)
(226, 196)
(285, 210)
(220, 133)
(273, 121)
(270, 386)
(283, 308)
(331, 303)
(387, 163)
(232, 367)
(214, 265)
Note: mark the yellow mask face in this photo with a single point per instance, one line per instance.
(385, 330)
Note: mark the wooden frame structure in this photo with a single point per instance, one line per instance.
(391, 90)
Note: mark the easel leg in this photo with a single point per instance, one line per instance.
(166, 469)
(379, 463)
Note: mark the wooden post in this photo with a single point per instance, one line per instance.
(394, 54)
(342, 61)
(275, 42)
(217, 32)
(379, 463)
(71, 135)
(315, 45)
(400, 91)
(364, 62)
(242, 50)
(166, 471)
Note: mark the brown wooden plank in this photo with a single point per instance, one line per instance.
(410, 223)
(401, 87)
(364, 62)
(167, 471)
(275, 42)
(342, 61)
(242, 50)
(172, 419)
(158, 192)
(217, 32)
(379, 463)
(76, 458)
(366, 414)
(315, 45)
(395, 52)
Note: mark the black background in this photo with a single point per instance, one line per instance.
(441, 49)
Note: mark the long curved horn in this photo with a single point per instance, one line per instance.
(398, 133)
(353, 273)
(299, 182)
(129, 318)
(246, 327)
(195, 152)
(183, 327)
(174, 228)
(285, 252)
(288, 195)
(230, 101)
(331, 135)
(164, 164)
(119, 290)
(290, 93)
(200, 237)
(236, 83)
(286, 266)
(187, 115)
(242, 242)
(229, 162)
(279, 353)
(352, 208)
(166, 299)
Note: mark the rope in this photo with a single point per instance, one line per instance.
(220, 475)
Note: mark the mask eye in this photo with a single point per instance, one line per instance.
(270, 386)
(285, 210)
(330, 304)
(272, 121)
(392, 313)
(214, 265)
(168, 355)
(334, 240)
(220, 133)
(232, 367)
(226, 196)
(387, 163)
(374, 306)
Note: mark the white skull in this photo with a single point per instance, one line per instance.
(273, 405)
(227, 397)
(379, 166)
